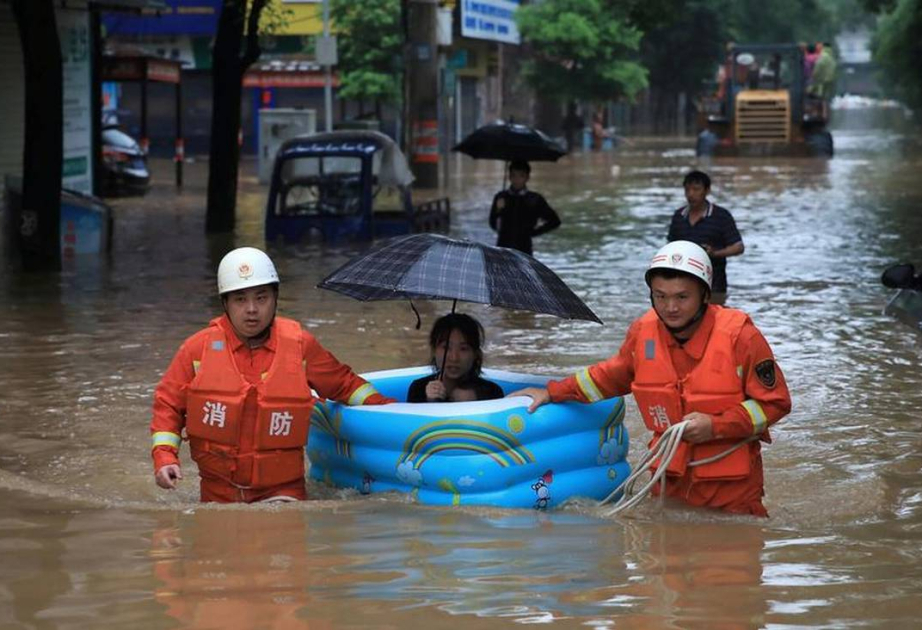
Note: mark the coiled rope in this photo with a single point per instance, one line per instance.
(664, 451)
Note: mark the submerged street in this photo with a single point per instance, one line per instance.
(87, 537)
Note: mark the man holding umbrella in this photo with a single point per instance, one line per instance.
(519, 214)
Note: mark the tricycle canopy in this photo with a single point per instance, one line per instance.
(352, 184)
(389, 166)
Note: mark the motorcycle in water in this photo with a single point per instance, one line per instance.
(906, 304)
(124, 163)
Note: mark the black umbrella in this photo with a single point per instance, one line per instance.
(510, 142)
(430, 266)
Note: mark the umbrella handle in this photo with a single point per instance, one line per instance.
(442, 369)
(447, 341)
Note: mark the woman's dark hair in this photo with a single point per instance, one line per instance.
(469, 327)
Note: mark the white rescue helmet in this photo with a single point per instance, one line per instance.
(683, 256)
(243, 268)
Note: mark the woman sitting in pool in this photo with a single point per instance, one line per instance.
(460, 379)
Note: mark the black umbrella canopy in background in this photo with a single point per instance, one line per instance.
(435, 267)
(510, 142)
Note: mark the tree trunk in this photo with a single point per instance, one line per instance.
(39, 223)
(230, 60)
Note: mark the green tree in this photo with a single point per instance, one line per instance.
(683, 50)
(879, 6)
(848, 14)
(370, 42)
(581, 49)
(780, 21)
(651, 14)
(898, 50)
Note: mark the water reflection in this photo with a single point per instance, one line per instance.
(695, 578)
(245, 567)
(248, 569)
(85, 534)
(522, 566)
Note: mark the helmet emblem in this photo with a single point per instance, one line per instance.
(244, 270)
(676, 259)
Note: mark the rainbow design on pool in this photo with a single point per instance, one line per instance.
(476, 453)
(464, 435)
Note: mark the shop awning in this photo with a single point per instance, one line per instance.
(294, 74)
(138, 68)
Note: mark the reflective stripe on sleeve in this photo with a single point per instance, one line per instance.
(165, 438)
(759, 421)
(195, 366)
(588, 386)
(360, 395)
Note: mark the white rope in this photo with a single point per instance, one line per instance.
(664, 451)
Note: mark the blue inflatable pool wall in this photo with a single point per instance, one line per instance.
(475, 453)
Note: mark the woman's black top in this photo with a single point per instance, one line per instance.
(483, 389)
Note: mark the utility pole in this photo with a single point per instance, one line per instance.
(423, 86)
(327, 62)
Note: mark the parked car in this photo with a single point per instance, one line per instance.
(124, 163)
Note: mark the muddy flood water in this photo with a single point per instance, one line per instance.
(88, 541)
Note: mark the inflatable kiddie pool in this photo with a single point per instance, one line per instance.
(472, 453)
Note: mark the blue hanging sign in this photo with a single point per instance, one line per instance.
(490, 19)
(180, 17)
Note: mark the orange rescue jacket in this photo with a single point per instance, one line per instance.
(215, 418)
(713, 386)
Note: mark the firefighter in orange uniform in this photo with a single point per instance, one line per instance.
(241, 389)
(686, 359)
